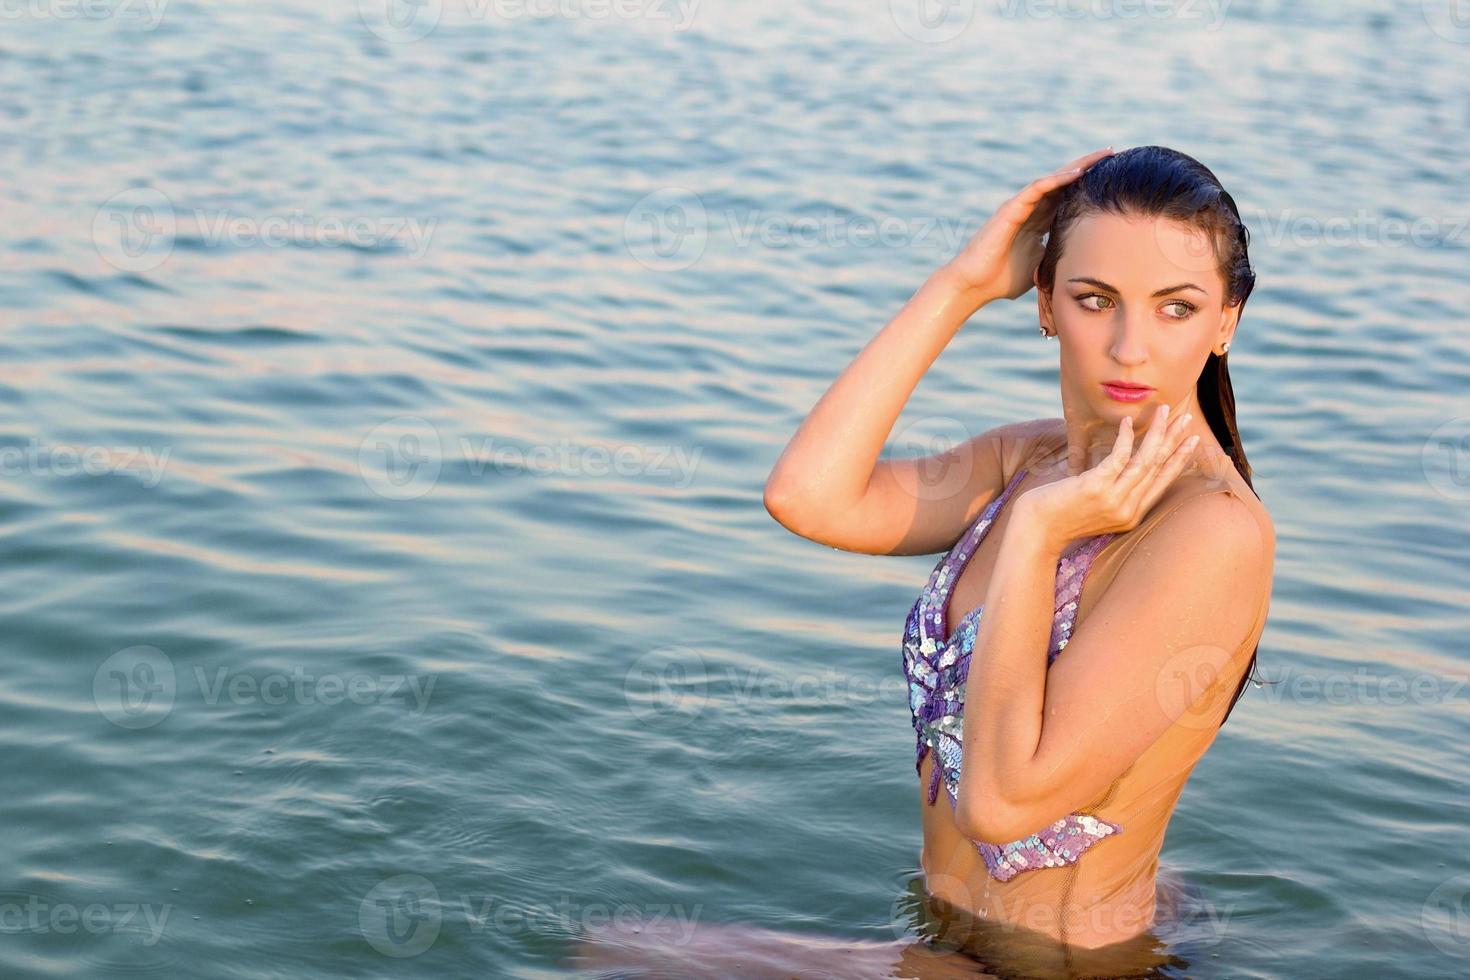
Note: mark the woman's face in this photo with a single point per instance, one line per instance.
(1135, 300)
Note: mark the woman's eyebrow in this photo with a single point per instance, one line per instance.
(1160, 292)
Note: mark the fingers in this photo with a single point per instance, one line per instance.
(1087, 159)
(1116, 460)
(1042, 186)
(1168, 471)
(1159, 448)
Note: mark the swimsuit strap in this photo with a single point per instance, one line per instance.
(955, 559)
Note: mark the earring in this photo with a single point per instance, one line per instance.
(1045, 334)
(1225, 348)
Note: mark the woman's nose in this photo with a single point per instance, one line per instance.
(1128, 346)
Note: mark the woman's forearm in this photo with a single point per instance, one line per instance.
(1005, 692)
(829, 461)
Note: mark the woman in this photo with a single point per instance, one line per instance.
(1130, 538)
(1127, 532)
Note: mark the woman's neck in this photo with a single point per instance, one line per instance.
(1089, 438)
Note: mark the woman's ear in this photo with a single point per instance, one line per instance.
(1043, 305)
(1229, 317)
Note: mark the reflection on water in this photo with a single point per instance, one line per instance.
(942, 941)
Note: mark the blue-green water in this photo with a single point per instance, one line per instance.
(387, 588)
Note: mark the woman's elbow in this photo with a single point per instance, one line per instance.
(991, 823)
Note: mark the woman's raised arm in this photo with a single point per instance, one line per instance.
(829, 484)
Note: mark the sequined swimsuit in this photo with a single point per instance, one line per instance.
(937, 661)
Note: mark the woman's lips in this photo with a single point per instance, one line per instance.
(1122, 394)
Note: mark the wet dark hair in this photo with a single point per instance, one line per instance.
(1155, 181)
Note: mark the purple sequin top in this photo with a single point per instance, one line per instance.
(936, 662)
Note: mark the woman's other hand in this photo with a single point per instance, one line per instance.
(1114, 495)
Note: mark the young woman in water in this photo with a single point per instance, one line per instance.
(1105, 575)
(1127, 532)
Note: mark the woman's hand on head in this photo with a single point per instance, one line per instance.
(1114, 495)
(1000, 260)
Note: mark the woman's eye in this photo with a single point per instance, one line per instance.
(1182, 309)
